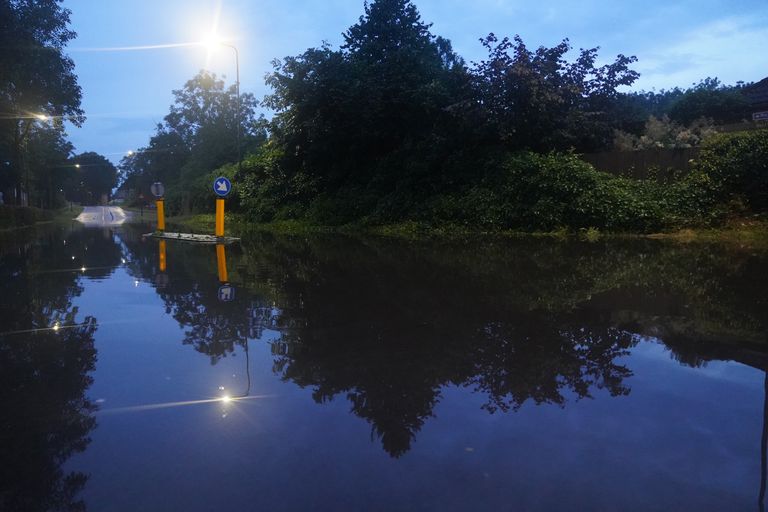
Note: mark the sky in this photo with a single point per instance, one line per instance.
(126, 92)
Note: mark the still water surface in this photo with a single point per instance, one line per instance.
(368, 374)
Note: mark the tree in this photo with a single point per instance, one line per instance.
(376, 112)
(537, 100)
(94, 177)
(48, 152)
(198, 135)
(713, 100)
(37, 77)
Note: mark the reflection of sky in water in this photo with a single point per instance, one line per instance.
(684, 438)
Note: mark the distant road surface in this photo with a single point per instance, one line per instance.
(94, 216)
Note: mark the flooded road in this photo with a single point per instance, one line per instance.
(334, 373)
(102, 216)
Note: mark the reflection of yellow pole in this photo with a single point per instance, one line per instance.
(221, 260)
(160, 215)
(219, 217)
(162, 256)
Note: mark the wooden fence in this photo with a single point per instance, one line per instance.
(660, 164)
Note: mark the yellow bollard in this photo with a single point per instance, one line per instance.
(162, 256)
(221, 260)
(219, 217)
(160, 215)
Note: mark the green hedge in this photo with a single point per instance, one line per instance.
(526, 191)
(737, 165)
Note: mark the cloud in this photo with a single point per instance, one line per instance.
(723, 48)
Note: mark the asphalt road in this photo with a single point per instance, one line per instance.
(102, 216)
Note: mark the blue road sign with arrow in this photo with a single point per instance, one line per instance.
(222, 186)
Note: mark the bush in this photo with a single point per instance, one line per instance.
(736, 167)
(532, 192)
(524, 191)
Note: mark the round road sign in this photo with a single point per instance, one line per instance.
(222, 186)
(157, 189)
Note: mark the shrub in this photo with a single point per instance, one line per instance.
(735, 166)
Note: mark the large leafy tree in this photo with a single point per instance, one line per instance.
(198, 135)
(36, 77)
(359, 114)
(94, 177)
(48, 152)
(536, 99)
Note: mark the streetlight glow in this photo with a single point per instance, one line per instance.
(77, 166)
(41, 117)
(211, 41)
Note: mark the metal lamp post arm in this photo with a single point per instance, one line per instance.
(238, 118)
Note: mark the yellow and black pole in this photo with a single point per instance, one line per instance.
(221, 187)
(163, 261)
(158, 191)
(160, 214)
(219, 217)
(221, 263)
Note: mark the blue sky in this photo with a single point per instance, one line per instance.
(125, 93)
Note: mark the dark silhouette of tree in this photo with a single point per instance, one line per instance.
(538, 100)
(94, 176)
(37, 78)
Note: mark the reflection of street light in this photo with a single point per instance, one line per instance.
(211, 42)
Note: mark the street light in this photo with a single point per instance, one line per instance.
(211, 42)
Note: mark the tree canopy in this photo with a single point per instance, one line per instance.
(37, 84)
(198, 135)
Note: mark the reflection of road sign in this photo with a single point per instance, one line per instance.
(157, 189)
(222, 186)
(226, 293)
(161, 280)
(760, 116)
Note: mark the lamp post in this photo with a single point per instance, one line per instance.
(210, 43)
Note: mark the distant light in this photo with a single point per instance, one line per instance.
(77, 166)
(130, 153)
(226, 399)
(56, 326)
(123, 260)
(41, 117)
(136, 283)
(82, 269)
(73, 258)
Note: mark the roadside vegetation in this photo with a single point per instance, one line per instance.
(393, 131)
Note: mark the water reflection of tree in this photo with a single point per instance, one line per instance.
(190, 294)
(45, 416)
(388, 325)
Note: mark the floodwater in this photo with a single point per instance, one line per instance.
(338, 373)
